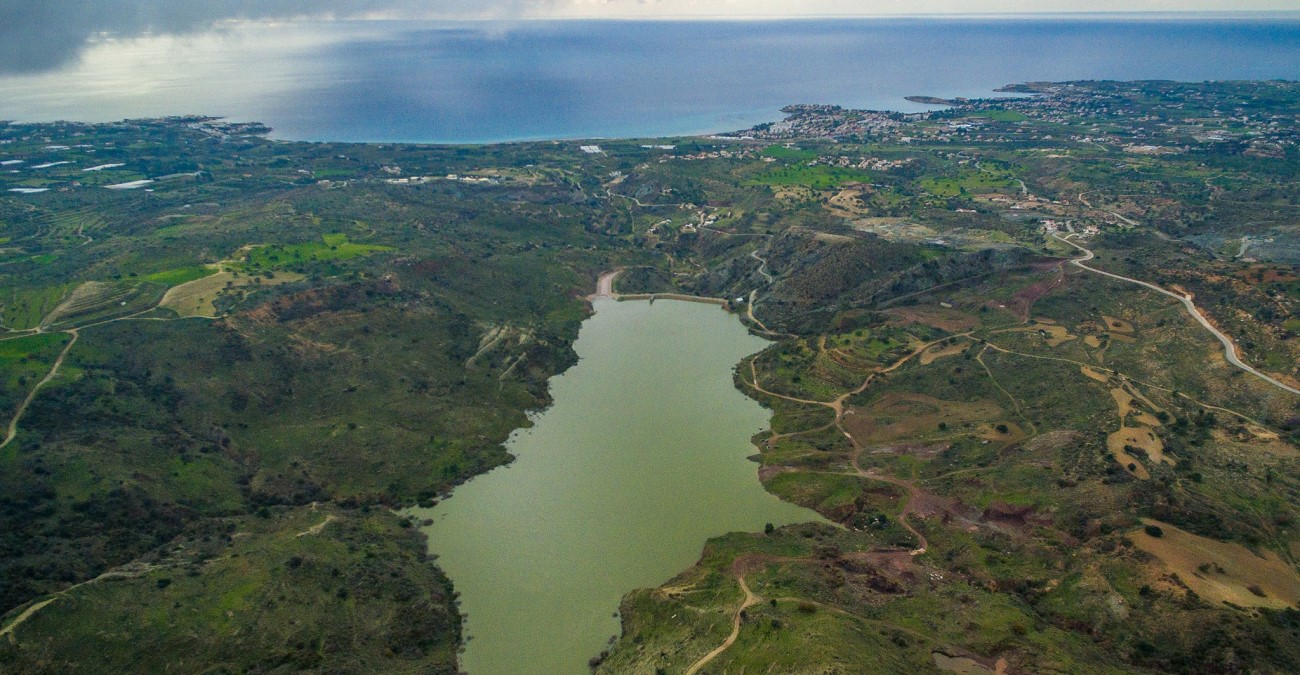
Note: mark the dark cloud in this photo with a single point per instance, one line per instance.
(38, 35)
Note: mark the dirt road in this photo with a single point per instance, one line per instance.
(22, 408)
(1229, 347)
(750, 601)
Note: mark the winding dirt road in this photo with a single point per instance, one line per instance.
(762, 265)
(1229, 347)
(838, 406)
(750, 601)
(913, 493)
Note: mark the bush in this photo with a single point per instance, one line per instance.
(1154, 530)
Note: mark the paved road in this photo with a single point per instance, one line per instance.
(1229, 348)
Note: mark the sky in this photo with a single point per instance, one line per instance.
(43, 35)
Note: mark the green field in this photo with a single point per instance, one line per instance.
(1004, 115)
(176, 277)
(969, 182)
(792, 154)
(815, 177)
(331, 247)
(25, 307)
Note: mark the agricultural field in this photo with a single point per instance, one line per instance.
(814, 177)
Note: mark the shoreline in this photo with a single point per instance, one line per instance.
(449, 512)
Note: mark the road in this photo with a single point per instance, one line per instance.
(127, 571)
(27, 614)
(749, 312)
(762, 265)
(732, 234)
(1127, 221)
(1229, 348)
(753, 297)
(750, 601)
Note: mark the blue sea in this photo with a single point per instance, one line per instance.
(487, 82)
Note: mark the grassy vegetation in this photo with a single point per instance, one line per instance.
(24, 361)
(25, 307)
(1004, 115)
(968, 182)
(179, 276)
(332, 246)
(789, 153)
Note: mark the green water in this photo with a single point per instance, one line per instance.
(617, 486)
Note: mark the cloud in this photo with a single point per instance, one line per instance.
(37, 35)
(41, 35)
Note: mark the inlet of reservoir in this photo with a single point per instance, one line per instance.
(640, 459)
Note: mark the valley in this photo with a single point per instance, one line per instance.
(1033, 360)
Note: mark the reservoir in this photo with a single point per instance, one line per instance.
(617, 486)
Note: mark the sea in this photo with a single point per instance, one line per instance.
(388, 81)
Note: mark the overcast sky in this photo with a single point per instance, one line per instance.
(37, 35)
